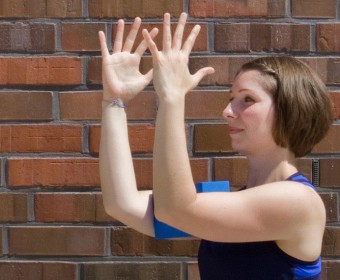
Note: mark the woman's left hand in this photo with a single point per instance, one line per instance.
(171, 76)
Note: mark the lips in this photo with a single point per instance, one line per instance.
(234, 130)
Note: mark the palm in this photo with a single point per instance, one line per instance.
(172, 77)
(120, 70)
(121, 75)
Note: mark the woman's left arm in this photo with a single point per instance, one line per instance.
(173, 183)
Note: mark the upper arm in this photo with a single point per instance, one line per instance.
(268, 212)
(137, 213)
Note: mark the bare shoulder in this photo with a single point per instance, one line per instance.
(306, 218)
(296, 195)
(299, 203)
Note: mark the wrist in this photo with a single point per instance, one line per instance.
(116, 102)
(172, 99)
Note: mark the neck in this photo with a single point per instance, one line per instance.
(272, 167)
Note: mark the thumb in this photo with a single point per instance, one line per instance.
(200, 74)
(148, 77)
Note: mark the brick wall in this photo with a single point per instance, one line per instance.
(53, 225)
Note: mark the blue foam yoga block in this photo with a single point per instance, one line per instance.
(164, 231)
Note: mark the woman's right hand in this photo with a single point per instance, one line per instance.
(120, 70)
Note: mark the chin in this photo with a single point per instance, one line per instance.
(238, 150)
(243, 151)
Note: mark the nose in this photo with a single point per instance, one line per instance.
(228, 112)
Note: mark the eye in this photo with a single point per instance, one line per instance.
(248, 99)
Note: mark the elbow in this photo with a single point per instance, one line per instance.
(164, 215)
(109, 210)
(113, 210)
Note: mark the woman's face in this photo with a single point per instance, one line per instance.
(250, 115)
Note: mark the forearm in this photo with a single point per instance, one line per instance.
(121, 198)
(174, 188)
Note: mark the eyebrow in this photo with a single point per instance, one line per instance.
(241, 90)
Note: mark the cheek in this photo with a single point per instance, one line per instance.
(259, 120)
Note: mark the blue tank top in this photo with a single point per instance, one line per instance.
(254, 260)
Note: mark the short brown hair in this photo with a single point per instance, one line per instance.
(303, 111)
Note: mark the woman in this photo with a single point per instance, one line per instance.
(279, 110)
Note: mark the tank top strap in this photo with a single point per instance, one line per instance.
(298, 177)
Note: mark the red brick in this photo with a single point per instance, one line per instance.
(236, 8)
(101, 215)
(193, 271)
(1, 250)
(330, 270)
(314, 8)
(208, 104)
(53, 172)
(70, 207)
(262, 37)
(143, 170)
(333, 68)
(80, 105)
(232, 37)
(40, 8)
(235, 169)
(81, 36)
(142, 107)
(328, 68)
(146, 64)
(40, 71)
(81, 172)
(331, 242)
(328, 37)
(94, 71)
(32, 37)
(304, 165)
(127, 242)
(335, 96)
(331, 203)
(40, 138)
(151, 270)
(211, 138)
(94, 139)
(141, 138)
(331, 143)
(33, 270)
(200, 169)
(131, 8)
(26, 106)
(201, 43)
(87, 106)
(329, 173)
(280, 37)
(225, 68)
(13, 207)
(57, 241)
(65, 207)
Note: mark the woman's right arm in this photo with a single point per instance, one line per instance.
(121, 198)
(122, 81)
